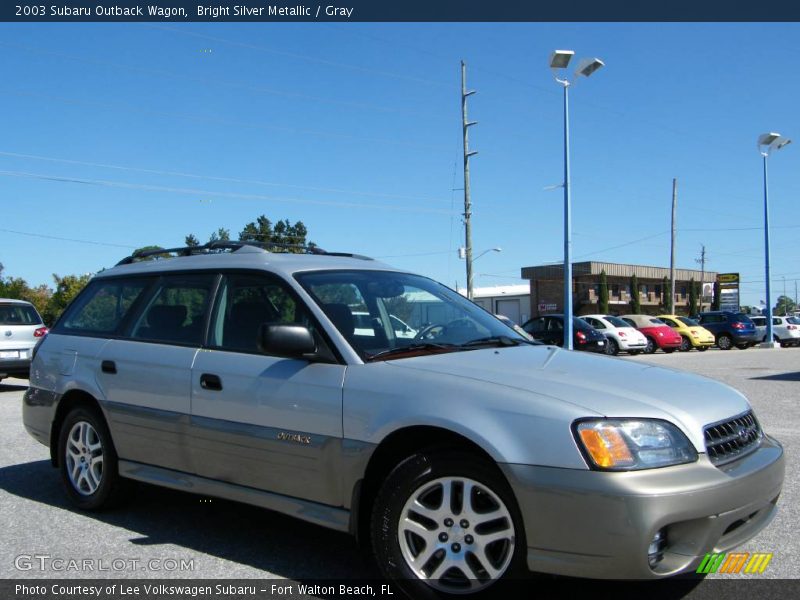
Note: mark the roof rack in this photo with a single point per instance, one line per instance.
(221, 246)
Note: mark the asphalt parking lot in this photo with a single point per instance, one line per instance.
(157, 529)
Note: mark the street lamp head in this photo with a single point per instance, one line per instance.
(559, 59)
(588, 66)
(767, 142)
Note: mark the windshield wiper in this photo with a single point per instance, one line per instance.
(497, 340)
(427, 346)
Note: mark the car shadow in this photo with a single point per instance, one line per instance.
(244, 534)
(791, 376)
(287, 547)
(10, 387)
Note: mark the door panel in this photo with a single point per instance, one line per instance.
(276, 424)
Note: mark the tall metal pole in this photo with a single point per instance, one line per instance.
(672, 247)
(702, 262)
(465, 125)
(567, 229)
(784, 296)
(769, 341)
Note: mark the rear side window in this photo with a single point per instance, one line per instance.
(102, 307)
(177, 311)
(19, 314)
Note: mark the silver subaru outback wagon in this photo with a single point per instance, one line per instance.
(462, 455)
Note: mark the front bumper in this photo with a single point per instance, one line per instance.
(600, 524)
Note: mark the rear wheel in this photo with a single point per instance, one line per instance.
(612, 347)
(651, 346)
(725, 342)
(446, 523)
(87, 460)
(686, 345)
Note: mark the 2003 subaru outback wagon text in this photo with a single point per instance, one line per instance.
(462, 454)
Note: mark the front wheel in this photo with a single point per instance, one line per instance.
(686, 345)
(651, 346)
(446, 523)
(612, 347)
(87, 460)
(725, 342)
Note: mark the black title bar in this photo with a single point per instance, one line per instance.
(401, 10)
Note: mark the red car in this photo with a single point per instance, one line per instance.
(658, 333)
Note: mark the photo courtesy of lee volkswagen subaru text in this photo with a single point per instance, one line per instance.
(461, 454)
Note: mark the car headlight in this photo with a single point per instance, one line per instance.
(632, 444)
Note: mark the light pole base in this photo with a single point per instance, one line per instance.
(769, 345)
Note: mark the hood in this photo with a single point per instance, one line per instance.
(596, 384)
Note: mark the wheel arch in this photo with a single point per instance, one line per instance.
(395, 448)
(68, 401)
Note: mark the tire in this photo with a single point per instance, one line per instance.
(651, 346)
(612, 347)
(84, 440)
(686, 344)
(724, 342)
(410, 522)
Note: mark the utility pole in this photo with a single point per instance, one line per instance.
(784, 295)
(465, 125)
(672, 248)
(702, 261)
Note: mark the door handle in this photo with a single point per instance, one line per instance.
(108, 366)
(210, 382)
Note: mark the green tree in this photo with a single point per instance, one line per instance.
(152, 256)
(67, 287)
(666, 287)
(691, 307)
(784, 306)
(636, 305)
(220, 235)
(602, 303)
(715, 302)
(191, 241)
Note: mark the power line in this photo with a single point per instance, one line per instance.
(216, 178)
(64, 239)
(218, 121)
(208, 81)
(322, 61)
(196, 192)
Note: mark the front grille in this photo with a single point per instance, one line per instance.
(733, 438)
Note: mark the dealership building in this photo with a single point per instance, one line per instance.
(547, 288)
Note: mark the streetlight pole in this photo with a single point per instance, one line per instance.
(559, 60)
(469, 282)
(768, 142)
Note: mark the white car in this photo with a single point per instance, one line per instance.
(785, 330)
(620, 335)
(21, 328)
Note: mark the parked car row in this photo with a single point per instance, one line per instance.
(646, 333)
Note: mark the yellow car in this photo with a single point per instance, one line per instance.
(692, 333)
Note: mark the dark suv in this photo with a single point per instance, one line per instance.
(730, 329)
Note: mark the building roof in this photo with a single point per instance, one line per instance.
(589, 268)
(520, 289)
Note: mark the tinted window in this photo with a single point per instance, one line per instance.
(177, 310)
(688, 321)
(655, 321)
(793, 320)
(102, 306)
(248, 301)
(19, 314)
(616, 321)
(669, 322)
(535, 325)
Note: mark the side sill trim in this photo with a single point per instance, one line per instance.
(313, 512)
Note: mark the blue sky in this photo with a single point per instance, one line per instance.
(126, 135)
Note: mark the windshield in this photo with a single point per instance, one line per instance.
(380, 312)
(616, 321)
(688, 321)
(19, 314)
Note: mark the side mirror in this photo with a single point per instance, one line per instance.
(290, 341)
